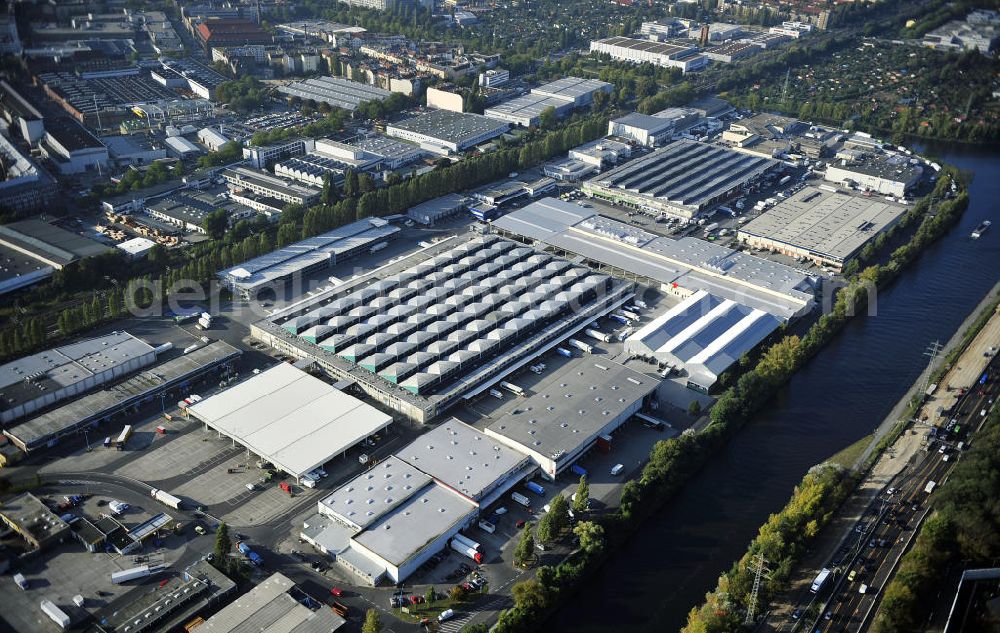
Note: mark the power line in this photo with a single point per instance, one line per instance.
(759, 563)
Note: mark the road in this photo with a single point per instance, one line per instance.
(870, 555)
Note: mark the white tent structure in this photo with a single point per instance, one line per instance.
(703, 335)
(290, 418)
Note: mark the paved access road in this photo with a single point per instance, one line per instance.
(869, 556)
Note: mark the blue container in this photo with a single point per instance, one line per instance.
(535, 488)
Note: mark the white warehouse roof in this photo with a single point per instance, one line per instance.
(288, 417)
(704, 334)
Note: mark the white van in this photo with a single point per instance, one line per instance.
(617, 469)
(487, 527)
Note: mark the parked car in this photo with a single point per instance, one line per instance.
(447, 614)
(617, 469)
(337, 591)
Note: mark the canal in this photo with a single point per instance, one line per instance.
(841, 396)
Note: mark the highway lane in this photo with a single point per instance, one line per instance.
(886, 529)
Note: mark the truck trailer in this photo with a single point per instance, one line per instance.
(580, 345)
(519, 498)
(820, 580)
(165, 498)
(55, 613)
(598, 335)
(535, 488)
(465, 540)
(125, 575)
(514, 389)
(465, 550)
(123, 437)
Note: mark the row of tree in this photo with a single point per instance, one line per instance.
(781, 542)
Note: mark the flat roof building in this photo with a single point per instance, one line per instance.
(290, 418)
(276, 605)
(567, 412)
(34, 382)
(33, 521)
(683, 179)
(561, 95)
(827, 227)
(427, 213)
(892, 175)
(390, 519)
(48, 243)
(100, 406)
(335, 91)
(702, 336)
(679, 267)
(526, 110)
(445, 132)
(264, 184)
(682, 56)
(649, 130)
(309, 255)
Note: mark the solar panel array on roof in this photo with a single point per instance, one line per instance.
(335, 91)
(472, 301)
(686, 173)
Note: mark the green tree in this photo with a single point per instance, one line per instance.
(581, 500)
(525, 549)
(529, 596)
(547, 531)
(373, 623)
(223, 544)
(547, 118)
(216, 223)
(694, 409)
(431, 595)
(456, 593)
(478, 627)
(591, 536)
(559, 509)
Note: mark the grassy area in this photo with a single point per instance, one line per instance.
(848, 456)
(415, 612)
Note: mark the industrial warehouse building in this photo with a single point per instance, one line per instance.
(562, 95)
(892, 175)
(301, 258)
(651, 130)
(566, 414)
(827, 227)
(276, 605)
(261, 183)
(446, 132)
(338, 92)
(290, 418)
(101, 406)
(390, 519)
(678, 267)
(34, 382)
(444, 323)
(684, 57)
(682, 179)
(702, 336)
(48, 243)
